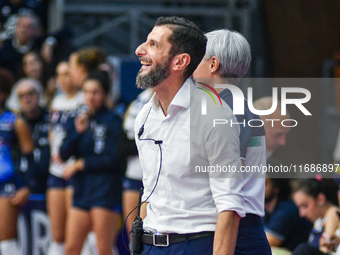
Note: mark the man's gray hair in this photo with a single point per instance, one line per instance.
(232, 51)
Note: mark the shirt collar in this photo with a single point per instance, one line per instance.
(181, 99)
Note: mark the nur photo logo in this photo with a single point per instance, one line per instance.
(239, 102)
(204, 101)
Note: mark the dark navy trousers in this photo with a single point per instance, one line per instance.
(252, 240)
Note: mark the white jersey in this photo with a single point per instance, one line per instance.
(134, 169)
(62, 110)
(62, 103)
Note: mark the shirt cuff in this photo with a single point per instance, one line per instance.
(230, 202)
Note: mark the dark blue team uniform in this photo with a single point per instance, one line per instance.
(39, 128)
(100, 182)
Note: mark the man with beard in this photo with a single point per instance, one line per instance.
(184, 212)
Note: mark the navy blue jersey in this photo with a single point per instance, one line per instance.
(39, 128)
(286, 225)
(98, 145)
(248, 135)
(100, 182)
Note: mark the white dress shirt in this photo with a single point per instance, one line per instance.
(185, 201)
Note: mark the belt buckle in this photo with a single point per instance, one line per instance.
(166, 240)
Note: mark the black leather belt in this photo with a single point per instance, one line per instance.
(167, 239)
(250, 219)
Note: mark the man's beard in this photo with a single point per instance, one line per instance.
(155, 76)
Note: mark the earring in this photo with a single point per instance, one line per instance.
(212, 71)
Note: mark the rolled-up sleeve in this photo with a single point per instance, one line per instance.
(222, 145)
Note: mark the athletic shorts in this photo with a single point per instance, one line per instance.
(131, 184)
(97, 190)
(57, 183)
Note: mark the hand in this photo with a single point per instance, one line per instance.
(81, 123)
(329, 244)
(71, 169)
(21, 196)
(57, 159)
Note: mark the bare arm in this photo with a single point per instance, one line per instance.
(331, 224)
(273, 241)
(226, 233)
(143, 210)
(21, 196)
